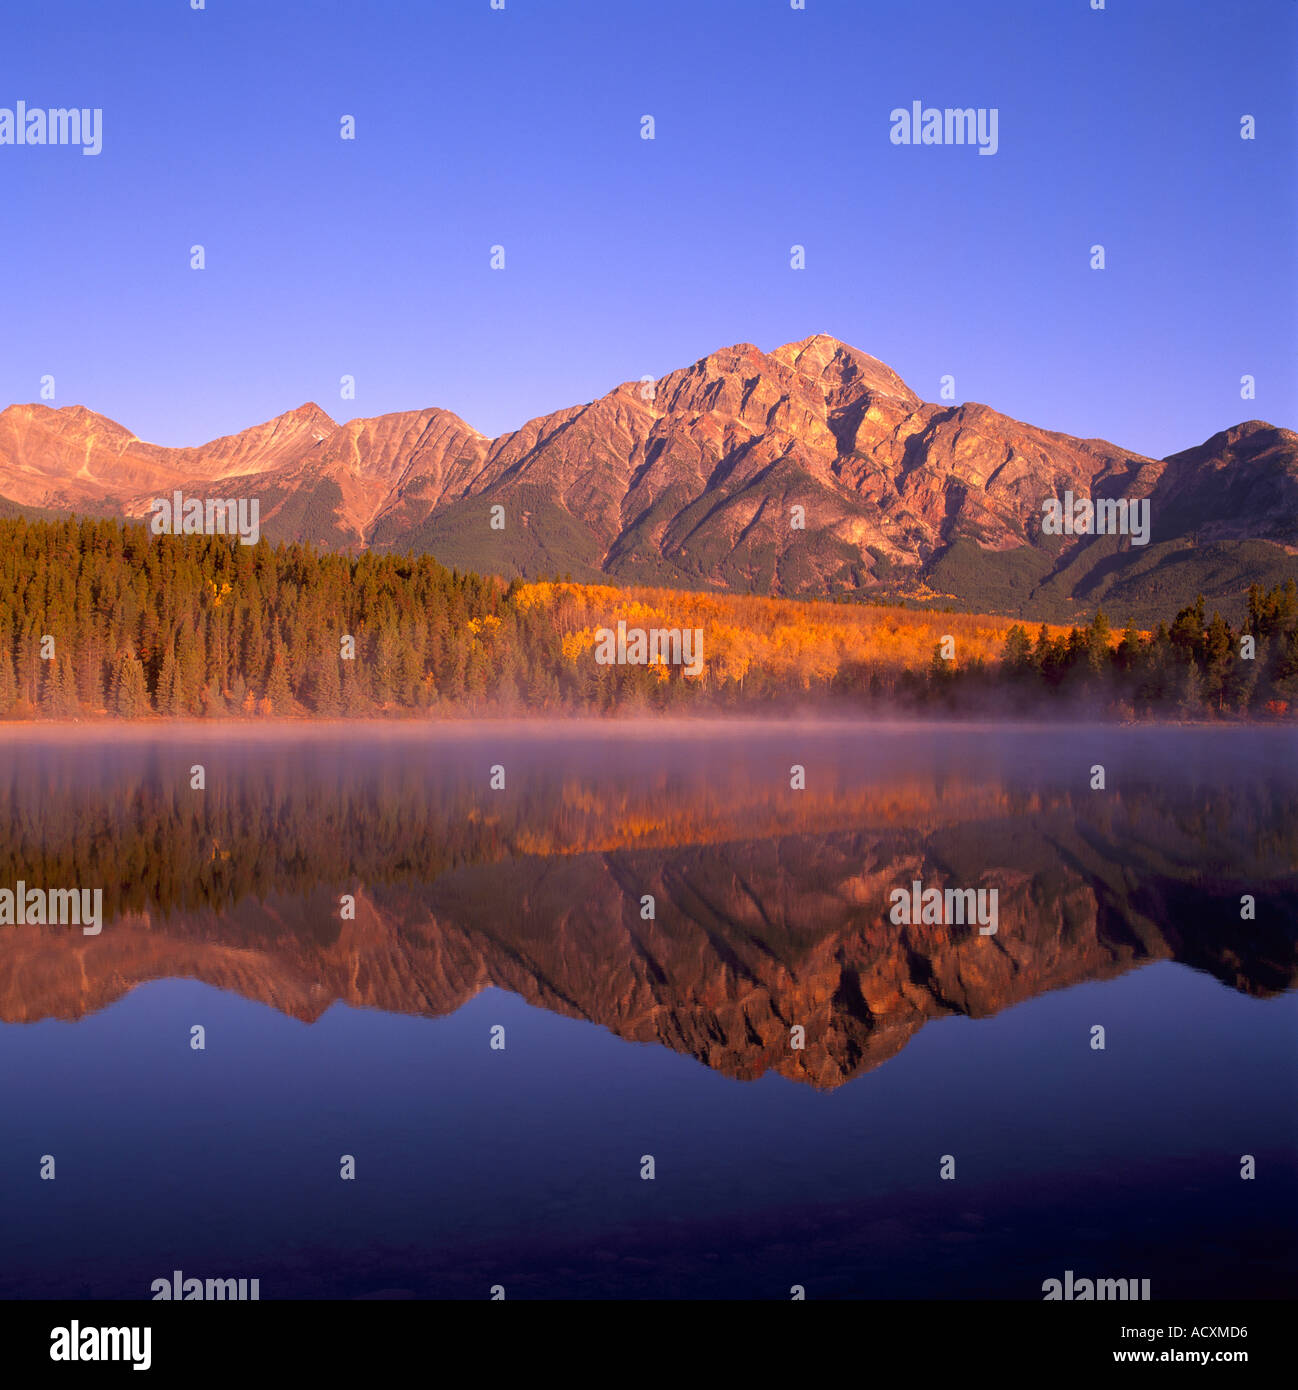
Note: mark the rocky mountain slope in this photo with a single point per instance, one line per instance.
(692, 480)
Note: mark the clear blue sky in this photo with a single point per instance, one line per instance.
(628, 257)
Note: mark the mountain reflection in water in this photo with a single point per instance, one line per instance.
(770, 906)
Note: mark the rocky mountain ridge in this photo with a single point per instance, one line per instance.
(694, 480)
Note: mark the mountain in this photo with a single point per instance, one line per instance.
(692, 480)
(74, 459)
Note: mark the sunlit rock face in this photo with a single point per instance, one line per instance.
(693, 478)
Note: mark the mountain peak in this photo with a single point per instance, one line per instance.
(1246, 439)
(60, 416)
(834, 363)
(307, 416)
(691, 483)
(736, 357)
(1258, 429)
(821, 343)
(310, 409)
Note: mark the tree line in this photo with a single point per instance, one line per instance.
(1197, 667)
(99, 617)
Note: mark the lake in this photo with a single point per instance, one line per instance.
(648, 941)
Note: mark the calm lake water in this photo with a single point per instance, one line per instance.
(521, 908)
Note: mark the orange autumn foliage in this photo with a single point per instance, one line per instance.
(808, 643)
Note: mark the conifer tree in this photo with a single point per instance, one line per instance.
(130, 694)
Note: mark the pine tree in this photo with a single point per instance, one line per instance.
(1041, 649)
(279, 696)
(326, 684)
(1217, 654)
(1189, 700)
(62, 689)
(1017, 657)
(167, 697)
(353, 694)
(1098, 635)
(1243, 685)
(130, 693)
(1129, 648)
(8, 683)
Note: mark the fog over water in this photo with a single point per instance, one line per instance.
(666, 1030)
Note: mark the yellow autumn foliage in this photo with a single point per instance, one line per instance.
(810, 642)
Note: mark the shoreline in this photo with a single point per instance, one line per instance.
(585, 725)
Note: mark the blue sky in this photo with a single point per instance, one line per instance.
(627, 257)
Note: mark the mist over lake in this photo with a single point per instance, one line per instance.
(517, 915)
